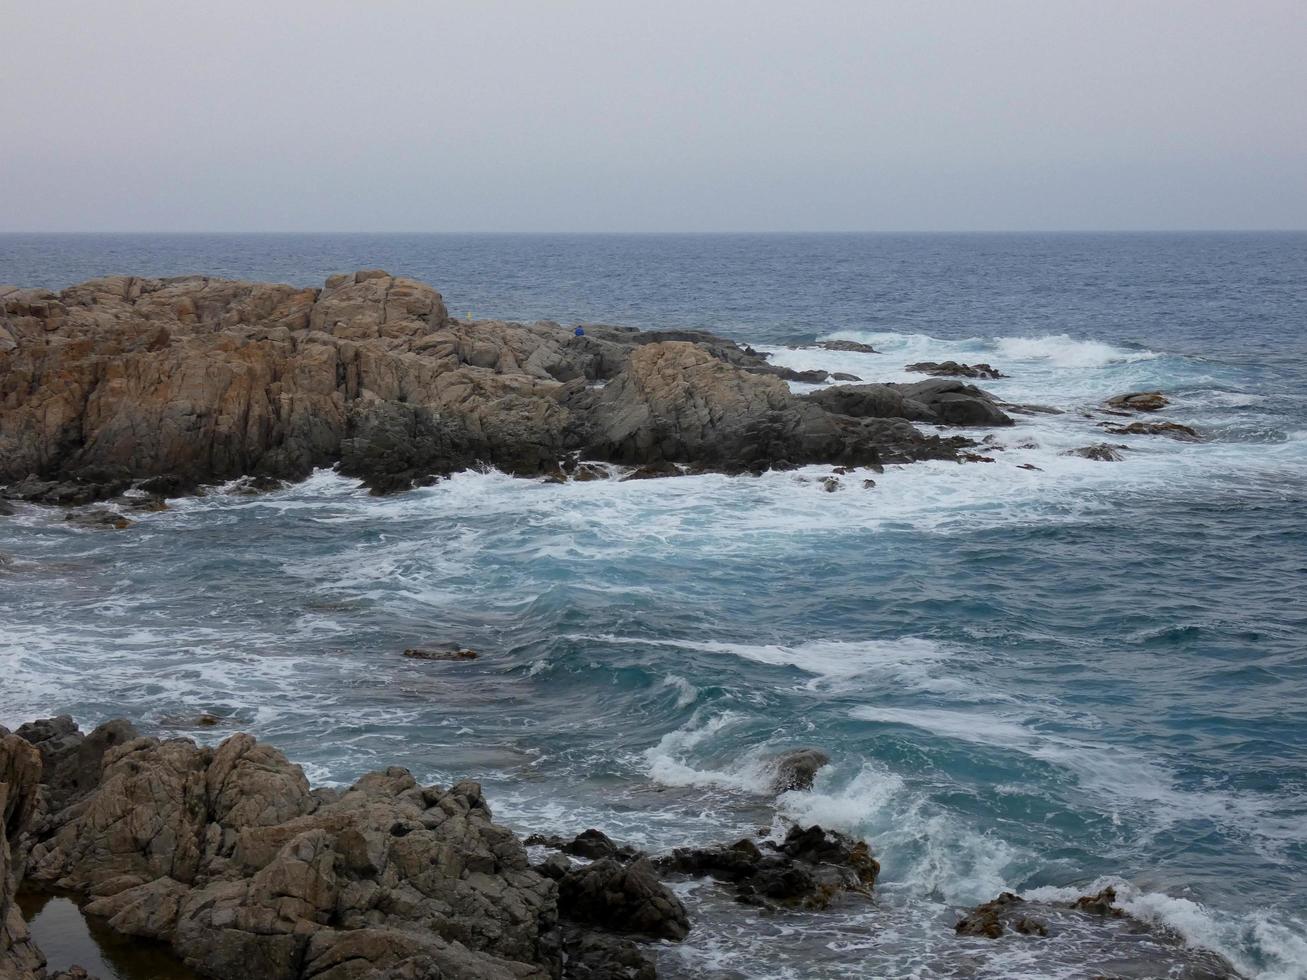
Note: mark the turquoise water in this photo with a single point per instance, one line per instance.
(1030, 680)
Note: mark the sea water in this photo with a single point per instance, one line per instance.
(1040, 680)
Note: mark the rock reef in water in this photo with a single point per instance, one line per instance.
(179, 382)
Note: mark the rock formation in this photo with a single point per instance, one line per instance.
(179, 382)
(226, 854)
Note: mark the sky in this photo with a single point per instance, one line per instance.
(711, 115)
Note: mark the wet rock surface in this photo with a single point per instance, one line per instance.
(227, 856)
(177, 383)
(953, 369)
(1172, 430)
(1127, 948)
(1101, 452)
(1139, 401)
(808, 869)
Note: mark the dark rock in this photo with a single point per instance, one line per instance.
(71, 761)
(1028, 466)
(1102, 452)
(442, 651)
(868, 484)
(1140, 401)
(623, 898)
(841, 376)
(589, 955)
(966, 457)
(847, 345)
(808, 869)
(147, 504)
(99, 517)
(1172, 430)
(954, 402)
(952, 369)
(592, 844)
(554, 866)
(831, 483)
(798, 768)
(6, 508)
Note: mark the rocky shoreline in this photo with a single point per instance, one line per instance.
(227, 855)
(169, 384)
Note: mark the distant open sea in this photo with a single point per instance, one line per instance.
(1037, 680)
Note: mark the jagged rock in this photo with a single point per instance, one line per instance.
(952, 369)
(622, 897)
(1102, 452)
(993, 918)
(593, 956)
(592, 844)
(20, 776)
(797, 769)
(847, 345)
(228, 856)
(70, 760)
(172, 384)
(1172, 430)
(808, 869)
(1140, 401)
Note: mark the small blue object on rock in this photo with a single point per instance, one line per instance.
(579, 331)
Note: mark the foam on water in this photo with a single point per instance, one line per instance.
(998, 717)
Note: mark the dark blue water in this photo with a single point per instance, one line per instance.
(1037, 680)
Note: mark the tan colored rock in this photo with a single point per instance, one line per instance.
(192, 380)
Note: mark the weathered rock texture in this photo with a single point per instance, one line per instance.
(194, 380)
(226, 854)
(20, 775)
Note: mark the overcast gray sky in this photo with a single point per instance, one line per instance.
(314, 115)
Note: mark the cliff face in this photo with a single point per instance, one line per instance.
(20, 774)
(198, 380)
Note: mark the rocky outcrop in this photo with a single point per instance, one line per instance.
(952, 369)
(939, 401)
(228, 856)
(808, 869)
(186, 381)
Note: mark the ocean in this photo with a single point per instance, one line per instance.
(1039, 680)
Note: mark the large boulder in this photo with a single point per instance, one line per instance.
(623, 898)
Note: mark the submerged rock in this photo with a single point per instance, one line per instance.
(995, 917)
(851, 346)
(952, 369)
(1102, 452)
(441, 651)
(1172, 430)
(1139, 401)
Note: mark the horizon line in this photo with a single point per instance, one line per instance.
(869, 231)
